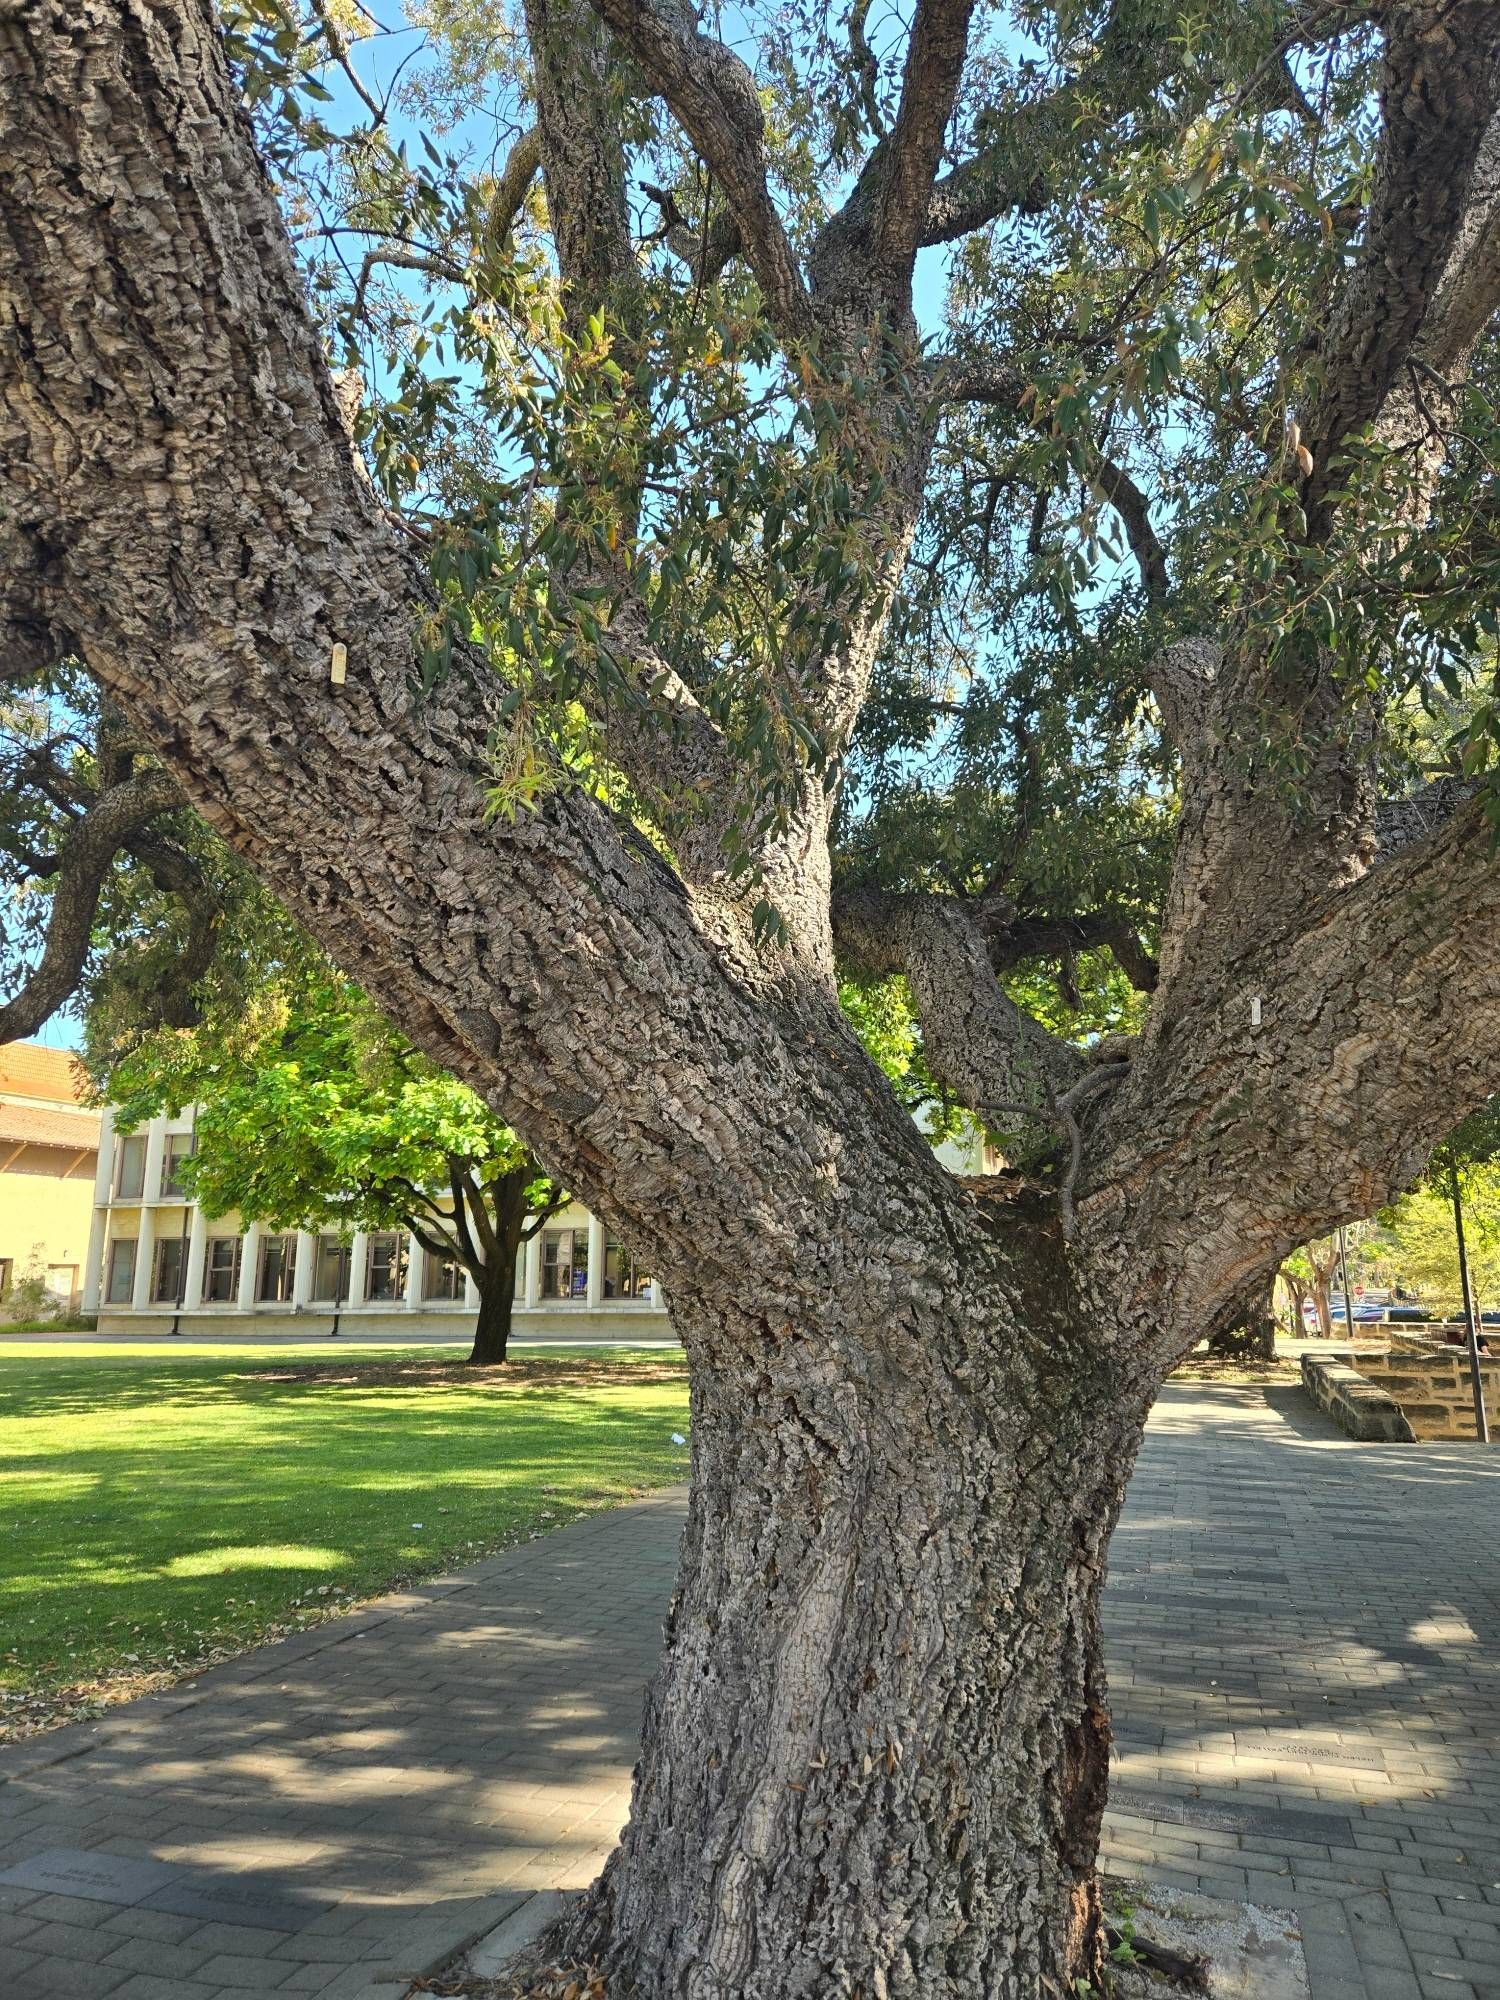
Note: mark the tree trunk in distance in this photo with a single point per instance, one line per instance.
(492, 1328)
(1252, 1335)
(1297, 1296)
(496, 1277)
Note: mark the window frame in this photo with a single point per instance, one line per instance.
(210, 1273)
(111, 1265)
(123, 1144)
(285, 1241)
(450, 1264)
(172, 1189)
(375, 1242)
(576, 1294)
(159, 1252)
(629, 1276)
(329, 1244)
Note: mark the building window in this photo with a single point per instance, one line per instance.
(7, 1267)
(331, 1270)
(565, 1264)
(120, 1280)
(168, 1267)
(179, 1146)
(442, 1277)
(130, 1174)
(625, 1276)
(385, 1266)
(221, 1270)
(278, 1266)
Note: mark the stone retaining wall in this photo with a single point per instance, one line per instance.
(1361, 1408)
(1431, 1383)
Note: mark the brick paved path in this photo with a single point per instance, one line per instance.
(1303, 1635)
(1304, 1639)
(343, 1810)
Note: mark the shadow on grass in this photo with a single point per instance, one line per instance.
(159, 1508)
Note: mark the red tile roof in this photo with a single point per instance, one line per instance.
(28, 1070)
(34, 1125)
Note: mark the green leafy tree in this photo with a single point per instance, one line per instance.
(313, 1112)
(1423, 1252)
(926, 500)
(1419, 1239)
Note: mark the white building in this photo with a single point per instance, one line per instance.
(157, 1264)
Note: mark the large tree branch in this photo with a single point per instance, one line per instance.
(995, 1059)
(583, 162)
(1441, 83)
(1313, 1085)
(1014, 171)
(183, 491)
(83, 860)
(1022, 938)
(173, 1003)
(1130, 503)
(712, 95)
(906, 164)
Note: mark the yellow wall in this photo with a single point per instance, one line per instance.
(45, 1211)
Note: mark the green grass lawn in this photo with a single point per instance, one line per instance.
(159, 1512)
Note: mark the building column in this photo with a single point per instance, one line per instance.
(359, 1251)
(145, 1254)
(93, 1270)
(249, 1259)
(531, 1292)
(104, 1166)
(595, 1293)
(192, 1277)
(156, 1146)
(411, 1296)
(302, 1269)
(471, 1293)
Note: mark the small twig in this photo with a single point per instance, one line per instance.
(1190, 1969)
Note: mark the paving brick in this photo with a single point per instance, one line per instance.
(235, 1938)
(169, 1961)
(71, 1941)
(65, 1979)
(13, 1962)
(152, 1924)
(151, 1986)
(256, 1975)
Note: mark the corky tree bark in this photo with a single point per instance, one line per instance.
(875, 1752)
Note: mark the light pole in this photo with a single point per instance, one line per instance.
(1348, 1301)
(1476, 1374)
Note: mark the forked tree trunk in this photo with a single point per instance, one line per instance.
(876, 1750)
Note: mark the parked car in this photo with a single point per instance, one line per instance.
(1363, 1309)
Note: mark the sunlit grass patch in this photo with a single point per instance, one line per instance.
(160, 1511)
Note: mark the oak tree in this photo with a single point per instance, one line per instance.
(628, 638)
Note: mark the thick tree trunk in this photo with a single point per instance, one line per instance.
(1251, 1333)
(876, 1750)
(496, 1300)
